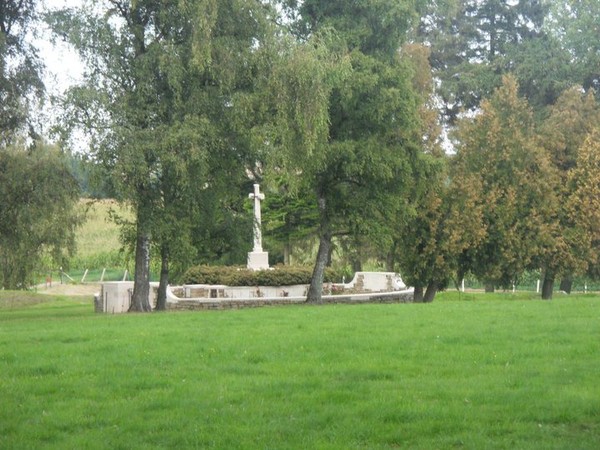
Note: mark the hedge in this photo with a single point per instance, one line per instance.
(241, 276)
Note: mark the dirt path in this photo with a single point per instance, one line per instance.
(69, 289)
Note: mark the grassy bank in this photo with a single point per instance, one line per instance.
(97, 240)
(469, 371)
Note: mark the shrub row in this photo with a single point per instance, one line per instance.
(241, 276)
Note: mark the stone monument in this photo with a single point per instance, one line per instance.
(257, 258)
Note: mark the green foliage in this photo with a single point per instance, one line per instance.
(169, 106)
(570, 121)
(20, 70)
(38, 215)
(502, 167)
(475, 43)
(241, 276)
(350, 122)
(575, 23)
(372, 27)
(584, 202)
(478, 376)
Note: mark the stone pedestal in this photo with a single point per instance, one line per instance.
(258, 260)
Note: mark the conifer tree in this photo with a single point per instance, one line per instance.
(501, 163)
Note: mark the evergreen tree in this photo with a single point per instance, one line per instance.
(501, 163)
(571, 119)
(584, 202)
(475, 42)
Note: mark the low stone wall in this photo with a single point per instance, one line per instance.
(115, 297)
(235, 292)
(199, 304)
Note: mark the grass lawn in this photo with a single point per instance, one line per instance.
(467, 371)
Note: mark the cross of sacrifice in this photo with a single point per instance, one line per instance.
(258, 197)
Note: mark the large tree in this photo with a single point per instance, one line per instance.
(475, 42)
(360, 158)
(575, 24)
(38, 213)
(571, 119)
(164, 99)
(500, 161)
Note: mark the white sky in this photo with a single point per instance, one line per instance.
(63, 66)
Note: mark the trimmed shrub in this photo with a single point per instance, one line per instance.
(241, 276)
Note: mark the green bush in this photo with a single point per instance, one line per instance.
(241, 276)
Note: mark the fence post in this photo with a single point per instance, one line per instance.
(537, 287)
(125, 275)
(102, 276)
(84, 275)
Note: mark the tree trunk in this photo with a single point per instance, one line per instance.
(430, 292)
(489, 287)
(329, 253)
(287, 253)
(161, 301)
(141, 285)
(315, 290)
(547, 286)
(418, 295)
(566, 283)
(390, 258)
(356, 264)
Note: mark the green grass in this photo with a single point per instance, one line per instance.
(98, 231)
(468, 371)
(98, 244)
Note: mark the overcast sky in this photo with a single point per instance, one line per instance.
(63, 66)
(63, 69)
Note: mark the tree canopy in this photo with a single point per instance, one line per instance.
(501, 161)
(355, 114)
(20, 69)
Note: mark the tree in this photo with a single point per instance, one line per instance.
(357, 116)
(38, 214)
(124, 103)
(575, 23)
(446, 222)
(584, 202)
(570, 120)
(20, 69)
(164, 79)
(500, 162)
(475, 42)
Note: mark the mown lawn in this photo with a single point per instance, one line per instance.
(467, 371)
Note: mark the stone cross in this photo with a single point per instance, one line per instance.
(258, 197)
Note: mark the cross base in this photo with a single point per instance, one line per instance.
(258, 260)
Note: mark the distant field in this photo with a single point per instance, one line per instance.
(98, 233)
(467, 371)
(98, 244)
